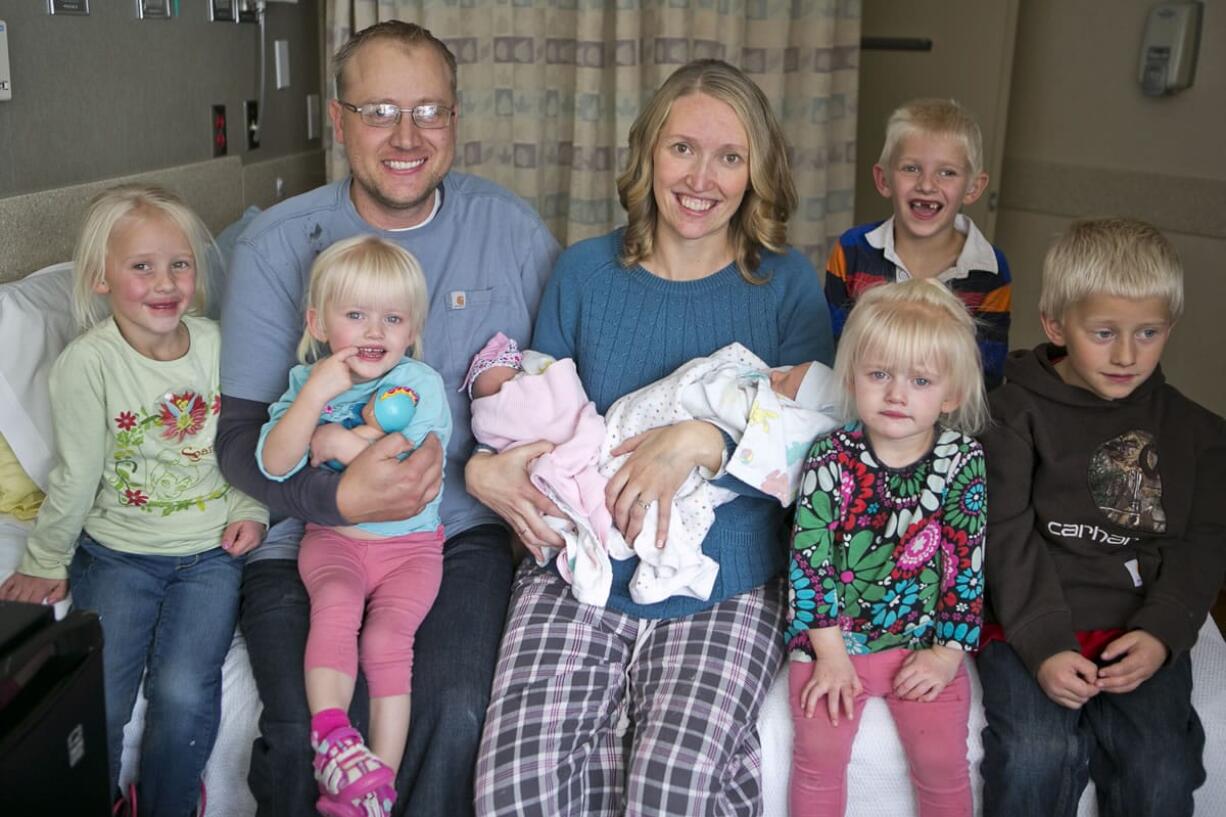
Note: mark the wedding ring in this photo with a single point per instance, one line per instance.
(642, 504)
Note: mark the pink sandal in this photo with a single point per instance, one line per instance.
(346, 770)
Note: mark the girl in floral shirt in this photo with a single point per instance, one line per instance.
(886, 582)
(138, 520)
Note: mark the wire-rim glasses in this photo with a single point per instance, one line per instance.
(430, 116)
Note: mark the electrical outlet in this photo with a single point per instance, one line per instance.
(68, 7)
(221, 11)
(220, 143)
(251, 116)
(248, 11)
(153, 9)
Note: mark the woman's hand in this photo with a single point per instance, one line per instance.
(834, 677)
(659, 462)
(32, 589)
(926, 672)
(500, 482)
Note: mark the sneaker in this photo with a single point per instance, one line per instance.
(345, 768)
(379, 802)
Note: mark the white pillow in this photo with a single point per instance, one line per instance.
(35, 325)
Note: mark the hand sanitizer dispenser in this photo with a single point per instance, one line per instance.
(1168, 49)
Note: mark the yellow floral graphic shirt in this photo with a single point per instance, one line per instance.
(136, 466)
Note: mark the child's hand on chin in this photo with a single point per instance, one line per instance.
(333, 374)
(926, 672)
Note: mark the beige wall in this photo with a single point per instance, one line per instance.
(1083, 141)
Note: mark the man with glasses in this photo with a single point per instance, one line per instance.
(486, 256)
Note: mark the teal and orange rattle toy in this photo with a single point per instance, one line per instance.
(395, 407)
(393, 410)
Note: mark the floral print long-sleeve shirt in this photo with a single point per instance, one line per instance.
(892, 556)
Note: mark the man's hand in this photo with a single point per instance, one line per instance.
(32, 589)
(1140, 655)
(1068, 679)
(242, 536)
(379, 487)
(925, 673)
(500, 482)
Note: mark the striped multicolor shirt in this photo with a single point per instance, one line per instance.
(864, 257)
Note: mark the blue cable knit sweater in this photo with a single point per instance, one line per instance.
(626, 328)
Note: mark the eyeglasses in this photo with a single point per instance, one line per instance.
(430, 116)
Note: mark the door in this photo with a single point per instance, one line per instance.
(961, 49)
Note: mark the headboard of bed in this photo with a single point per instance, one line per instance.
(37, 229)
(41, 228)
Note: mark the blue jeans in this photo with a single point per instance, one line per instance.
(172, 619)
(453, 667)
(1141, 748)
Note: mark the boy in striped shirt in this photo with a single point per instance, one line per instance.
(931, 165)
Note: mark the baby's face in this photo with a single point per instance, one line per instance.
(491, 380)
(788, 382)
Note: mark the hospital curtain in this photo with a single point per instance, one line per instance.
(549, 89)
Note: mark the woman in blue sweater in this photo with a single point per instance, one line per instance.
(652, 709)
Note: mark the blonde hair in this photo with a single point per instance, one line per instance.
(761, 220)
(105, 211)
(365, 268)
(917, 322)
(405, 35)
(1123, 257)
(934, 117)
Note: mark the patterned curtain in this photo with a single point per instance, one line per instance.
(549, 89)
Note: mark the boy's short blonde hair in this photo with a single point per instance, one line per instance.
(916, 323)
(1122, 257)
(934, 117)
(105, 211)
(365, 268)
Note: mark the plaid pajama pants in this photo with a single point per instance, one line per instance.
(597, 714)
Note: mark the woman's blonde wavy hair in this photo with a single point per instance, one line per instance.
(761, 220)
(105, 211)
(365, 268)
(917, 323)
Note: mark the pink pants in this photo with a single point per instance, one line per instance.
(392, 580)
(933, 735)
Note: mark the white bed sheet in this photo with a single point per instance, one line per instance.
(877, 780)
(225, 776)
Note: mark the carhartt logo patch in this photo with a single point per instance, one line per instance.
(457, 299)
